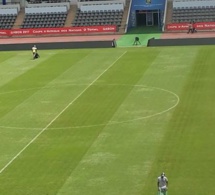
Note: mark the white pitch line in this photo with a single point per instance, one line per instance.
(23, 149)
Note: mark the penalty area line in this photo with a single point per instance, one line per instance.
(56, 117)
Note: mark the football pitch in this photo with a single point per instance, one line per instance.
(107, 121)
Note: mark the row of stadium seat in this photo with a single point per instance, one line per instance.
(94, 18)
(57, 19)
(7, 21)
(41, 20)
(197, 14)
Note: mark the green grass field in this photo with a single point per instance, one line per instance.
(107, 121)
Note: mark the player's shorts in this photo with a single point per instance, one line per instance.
(163, 188)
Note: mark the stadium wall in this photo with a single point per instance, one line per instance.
(180, 42)
(59, 45)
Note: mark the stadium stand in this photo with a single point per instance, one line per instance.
(45, 15)
(8, 14)
(7, 21)
(96, 18)
(99, 13)
(61, 13)
(193, 10)
(44, 20)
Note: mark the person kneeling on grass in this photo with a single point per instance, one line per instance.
(35, 53)
(162, 184)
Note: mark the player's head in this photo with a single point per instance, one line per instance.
(163, 174)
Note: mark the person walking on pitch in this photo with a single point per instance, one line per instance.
(35, 53)
(162, 184)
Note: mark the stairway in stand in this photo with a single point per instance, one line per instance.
(70, 15)
(169, 12)
(124, 18)
(19, 19)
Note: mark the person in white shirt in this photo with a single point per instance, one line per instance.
(162, 184)
(34, 51)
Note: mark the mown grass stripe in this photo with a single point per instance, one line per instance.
(35, 78)
(74, 142)
(17, 64)
(187, 147)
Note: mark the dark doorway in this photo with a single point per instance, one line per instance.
(148, 18)
(156, 18)
(141, 18)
